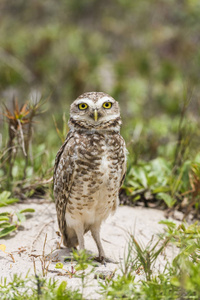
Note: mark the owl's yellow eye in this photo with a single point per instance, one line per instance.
(107, 104)
(82, 106)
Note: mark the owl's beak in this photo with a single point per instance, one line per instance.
(95, 115)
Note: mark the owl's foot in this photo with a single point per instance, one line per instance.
(100, 259)
(103, 260)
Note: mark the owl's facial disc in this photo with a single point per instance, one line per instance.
(96, 113)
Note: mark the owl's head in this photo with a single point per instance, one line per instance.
(95, 110)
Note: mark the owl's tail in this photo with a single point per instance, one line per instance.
(62, 224)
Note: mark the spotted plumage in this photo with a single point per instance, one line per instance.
(89, 168)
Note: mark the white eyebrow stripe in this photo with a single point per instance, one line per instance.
(105, 99)
(85, 100)
(92, 104)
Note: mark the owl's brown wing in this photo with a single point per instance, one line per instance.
(63, 179)
(59, 153)
(124, 153)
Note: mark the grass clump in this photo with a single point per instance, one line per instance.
(179, 279)
(36, 288)
(20, 120)
(7, 222)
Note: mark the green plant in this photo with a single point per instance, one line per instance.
(20, 124)
(62, 134)
(7, 222)
(36, 288)
(177, 280)
(150, 180)
(148, 256)
(83, 267)
(155, 182)
(6, 200)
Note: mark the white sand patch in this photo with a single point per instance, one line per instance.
(27, 242)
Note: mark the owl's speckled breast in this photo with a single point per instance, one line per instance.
(96, 178)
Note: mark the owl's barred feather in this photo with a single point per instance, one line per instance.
(89, 169)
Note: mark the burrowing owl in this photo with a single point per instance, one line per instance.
(89, 169)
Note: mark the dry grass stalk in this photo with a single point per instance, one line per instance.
(44, 261)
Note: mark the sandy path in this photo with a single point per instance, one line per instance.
(30, 238)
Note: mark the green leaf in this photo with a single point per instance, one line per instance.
(5, 214)
(4, 196)
(160, 189)
(59, 265)
(4, 225)
(174, 281)
(61, 288)
(7, 230)
(142, 176)
(5, 200)
(20, 217)
(167, 198)
(151, 180)
(81, 267)
(31, 210)
(4, 218)
(168, 223)
(8, 201)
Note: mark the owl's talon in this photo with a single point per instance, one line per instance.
(100, 259)
(104, 260)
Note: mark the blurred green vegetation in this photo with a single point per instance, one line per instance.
(145, 54)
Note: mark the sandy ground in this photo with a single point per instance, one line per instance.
(27, 243)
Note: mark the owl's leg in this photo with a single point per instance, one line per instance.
(95, 230)
(72, 240)
(80, 233)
